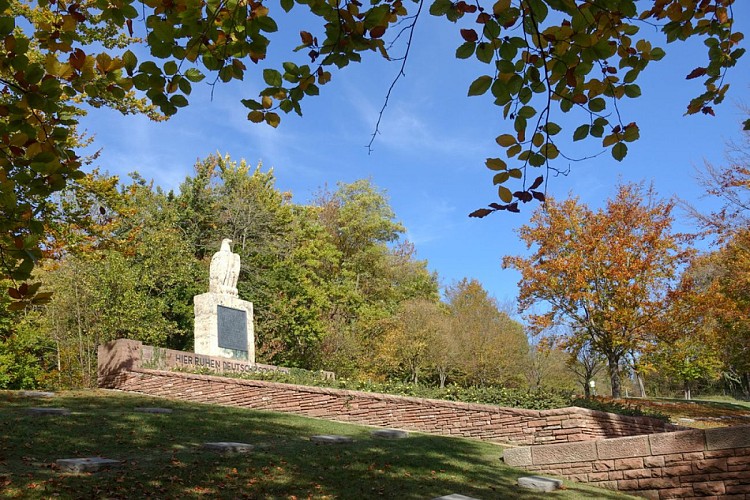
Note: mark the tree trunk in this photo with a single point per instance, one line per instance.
(641, 386)
(586, 389)
(687, 390)
(442, 375)
(613, 362)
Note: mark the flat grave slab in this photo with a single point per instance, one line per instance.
(153, 410)
(36, 394)
(454, 496)
(389, 434)
(88, 464)
(228, 447)
(47, 411)
(331, 439)
(540, 483)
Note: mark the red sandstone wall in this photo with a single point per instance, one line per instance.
(712, 463)
(491, 423)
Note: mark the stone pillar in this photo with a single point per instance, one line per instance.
(224, 326)
(223, 321)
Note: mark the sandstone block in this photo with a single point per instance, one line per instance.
(628, 463)
(728, 437)
(712, 465)
(517, 457)
(656, 483)
(677, 442)
(653, 461)
(636, 446)
(564, 453)
(683, 492)
(636, 473)
(707, 489)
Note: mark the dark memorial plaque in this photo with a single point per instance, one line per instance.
(232, 326)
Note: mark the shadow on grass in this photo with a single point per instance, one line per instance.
(162, 455)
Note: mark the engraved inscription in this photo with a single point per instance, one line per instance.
(232, 326)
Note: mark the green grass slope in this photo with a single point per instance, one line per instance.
(162, 455)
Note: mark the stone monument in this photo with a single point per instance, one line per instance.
(223, 321)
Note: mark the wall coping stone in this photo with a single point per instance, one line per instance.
(728, 437)
(626, 447)
(677, 442)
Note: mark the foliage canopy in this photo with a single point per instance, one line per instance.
(59, 57)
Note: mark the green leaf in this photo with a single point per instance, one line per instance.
(526, 112)
(287, 5)
(272, 77)
(170, 68)
(619, 151)
(597, 104)
(194, 75)
(465, 50)
(500, 178)
(657, 54)
(505, 140)
(516, 173)
(485, 52)
(632, 91)
(553, 128)
(7, 25)
(129, 60)
(505, 194)
(440, 7)
(178, 100)
(266, 24)
(480, 85)
(495, 164)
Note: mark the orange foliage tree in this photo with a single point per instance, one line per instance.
(606, 273)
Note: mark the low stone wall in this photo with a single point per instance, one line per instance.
(120, 367)
(686, 464)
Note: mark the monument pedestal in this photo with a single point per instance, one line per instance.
(224, 326)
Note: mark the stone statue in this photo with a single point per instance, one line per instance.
(224, 270)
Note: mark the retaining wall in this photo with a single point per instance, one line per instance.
(120, 368)
(687, 464)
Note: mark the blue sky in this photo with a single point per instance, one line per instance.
(430, 154)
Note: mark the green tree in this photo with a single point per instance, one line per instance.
(372, 272)
(493, 347)
(542, 56)
(409, 335)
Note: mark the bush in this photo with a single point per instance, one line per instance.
(619, 407)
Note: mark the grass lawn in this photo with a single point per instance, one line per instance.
(162, 455)
(705, 413)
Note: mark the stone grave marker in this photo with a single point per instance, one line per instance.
(88, 464)
(47, 411)
(389, 434)
(228, 447)
(454, 496)
(540, 483)
(331, 439)
(153, 410)
(37, 394)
